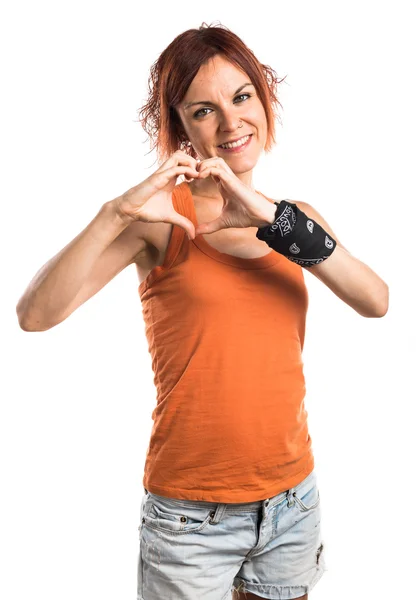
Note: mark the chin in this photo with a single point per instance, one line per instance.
(242, 164)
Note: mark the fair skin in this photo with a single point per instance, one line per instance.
(216, 81)
(104, 247)
(209, 126)
(225, 179)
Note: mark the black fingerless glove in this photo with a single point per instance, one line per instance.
(297, 237)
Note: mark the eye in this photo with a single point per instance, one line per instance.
(240, 95)
(198, 115)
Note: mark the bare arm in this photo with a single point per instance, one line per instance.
(348, 277)
(103, 249)
(114, 239)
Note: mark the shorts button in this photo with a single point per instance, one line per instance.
(183, 519)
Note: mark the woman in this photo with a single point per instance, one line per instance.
(231, 502)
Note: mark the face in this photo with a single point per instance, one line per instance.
(219, 107)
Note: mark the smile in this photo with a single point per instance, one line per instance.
(238, 145)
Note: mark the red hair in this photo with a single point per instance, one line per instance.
(172, 73)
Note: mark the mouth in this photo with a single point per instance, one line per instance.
(237, 146)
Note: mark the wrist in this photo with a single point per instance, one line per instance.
(112, 207)
(298, 238)
(268, 215)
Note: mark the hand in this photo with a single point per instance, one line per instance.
(151, 200)
(242, 206)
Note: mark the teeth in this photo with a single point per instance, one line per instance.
(240, 142)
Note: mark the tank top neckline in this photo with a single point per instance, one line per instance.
(268, 260)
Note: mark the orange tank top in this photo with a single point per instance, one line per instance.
(225, 335)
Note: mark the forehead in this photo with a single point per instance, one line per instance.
(217, 72)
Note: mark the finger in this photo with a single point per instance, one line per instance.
(212, 170)
(210, 227)
(164, 176)
(159, 180)
(178, 158)
(216, 173)
(182, 222)
(214, 161)
(211, 162)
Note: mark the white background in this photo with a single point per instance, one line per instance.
(76, 401)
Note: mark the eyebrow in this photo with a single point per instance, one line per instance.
(189, 104)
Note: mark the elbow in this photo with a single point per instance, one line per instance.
(27, 324)
(22, 320)
(374, 307)
(379, 313)
(381, 305)
(22, 316)
(24, 326)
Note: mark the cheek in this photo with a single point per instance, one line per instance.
(257, 115)
(205, 136)
(200, 131)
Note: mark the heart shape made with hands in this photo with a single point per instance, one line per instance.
(242, 206)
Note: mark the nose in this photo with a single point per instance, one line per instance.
(229, 120)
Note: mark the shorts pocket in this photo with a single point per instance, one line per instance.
(307, 499)
(175, 518)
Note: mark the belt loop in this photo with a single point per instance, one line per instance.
(218, 514)
(290, 499)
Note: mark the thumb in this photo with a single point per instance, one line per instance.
(210, 227)
(184, 223)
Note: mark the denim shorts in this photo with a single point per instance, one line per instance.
(195, 550)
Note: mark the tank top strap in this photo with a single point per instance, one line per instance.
(183, 204)
(186, 203)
